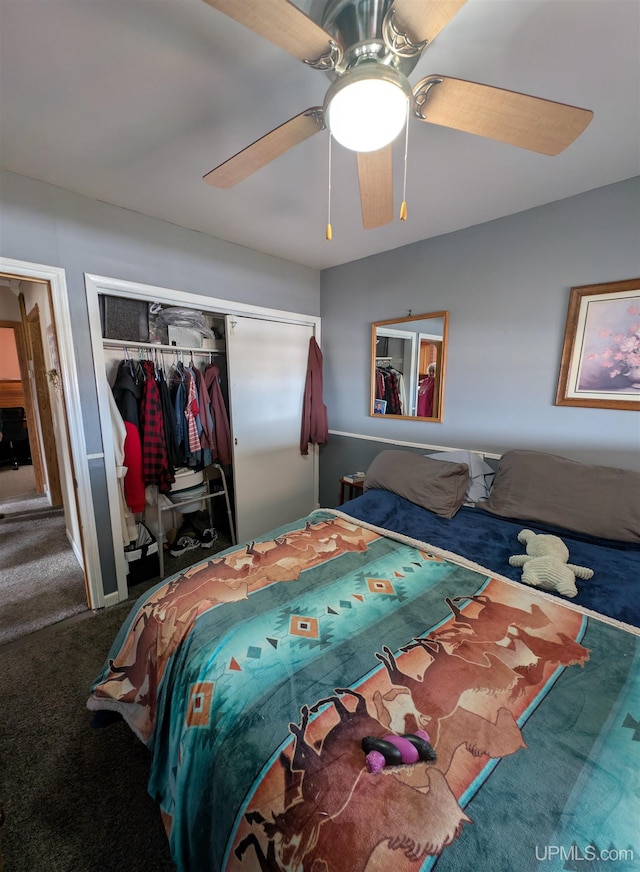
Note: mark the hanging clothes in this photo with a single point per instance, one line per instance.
(174, 457)
(178, 393)
(314, 428)
(127, 393)
(222, 437)
(127, 390)
(155, 464)
(388, 388)
(206, 421)
(191, 412)
(127, 521)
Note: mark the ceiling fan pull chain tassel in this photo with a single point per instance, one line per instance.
(403, 207)
(329, 232)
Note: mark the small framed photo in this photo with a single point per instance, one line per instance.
(379, 407)
(600, 365)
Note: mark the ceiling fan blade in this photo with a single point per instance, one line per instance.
(267, 148)
(518, 119)
(286, 26)
(422, 22)
(375, 174)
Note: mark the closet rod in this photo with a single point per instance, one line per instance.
(124, 343)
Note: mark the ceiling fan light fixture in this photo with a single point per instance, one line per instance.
(366, 108)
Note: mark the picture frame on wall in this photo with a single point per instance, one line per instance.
(600, 365)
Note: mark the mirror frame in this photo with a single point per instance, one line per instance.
(440, 370)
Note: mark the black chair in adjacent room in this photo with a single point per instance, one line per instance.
(14, 432)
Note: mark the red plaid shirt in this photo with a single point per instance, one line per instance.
(155, 464)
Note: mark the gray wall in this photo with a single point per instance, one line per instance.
(44, 224)
(48, 225)
(506, 284)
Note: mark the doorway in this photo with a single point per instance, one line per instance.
(44, 578)
(16, 408)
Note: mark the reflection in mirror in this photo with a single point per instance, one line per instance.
(408, 363)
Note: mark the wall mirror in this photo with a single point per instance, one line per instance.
(408, 366)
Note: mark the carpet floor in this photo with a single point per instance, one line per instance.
(74, 798)
(42, 582)
(18, 482)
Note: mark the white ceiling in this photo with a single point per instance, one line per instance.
(133, 101)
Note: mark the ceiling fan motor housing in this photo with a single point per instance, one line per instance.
(359, 26)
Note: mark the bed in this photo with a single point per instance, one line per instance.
(595, 510)
(254, 677)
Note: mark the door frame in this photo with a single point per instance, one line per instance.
(96, 285)
(55, 277)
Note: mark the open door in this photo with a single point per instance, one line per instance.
(44, 436)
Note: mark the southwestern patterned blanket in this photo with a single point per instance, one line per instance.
(254, 677)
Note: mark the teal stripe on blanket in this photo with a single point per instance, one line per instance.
(289, 637)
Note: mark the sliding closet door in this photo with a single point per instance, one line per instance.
(274, 483)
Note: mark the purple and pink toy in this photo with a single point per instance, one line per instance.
(396, 750)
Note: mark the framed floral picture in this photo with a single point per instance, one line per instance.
(600, 365)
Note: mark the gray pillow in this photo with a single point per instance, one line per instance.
(596, 500)
(432, 484)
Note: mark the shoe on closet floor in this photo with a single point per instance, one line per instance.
(186, 540)
(208, 537)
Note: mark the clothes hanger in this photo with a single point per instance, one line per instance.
(127, 357)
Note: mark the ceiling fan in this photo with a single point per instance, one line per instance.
(368, 48)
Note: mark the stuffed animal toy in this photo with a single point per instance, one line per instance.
(545, 564)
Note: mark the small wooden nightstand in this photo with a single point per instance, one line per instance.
(353, 488)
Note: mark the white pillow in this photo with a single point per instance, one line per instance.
(480, 473)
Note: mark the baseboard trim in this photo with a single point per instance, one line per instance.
(74, 547)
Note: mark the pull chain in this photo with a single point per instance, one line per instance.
(329, 233)
(403, 207)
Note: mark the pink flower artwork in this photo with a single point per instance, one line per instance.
(611, 345)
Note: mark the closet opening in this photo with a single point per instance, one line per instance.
(260, 355)
(166, 367)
